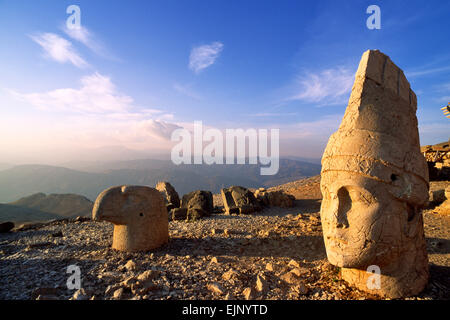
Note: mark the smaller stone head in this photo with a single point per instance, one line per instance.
(139, 216)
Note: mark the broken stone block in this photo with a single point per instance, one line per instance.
(239, 200)
(169, 193)
(276, 198)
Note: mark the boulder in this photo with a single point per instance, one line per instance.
(276, 198)
(139, 216)
(239, 200)
(170, 195)
(198, 204)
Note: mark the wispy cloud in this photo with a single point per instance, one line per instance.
(86, 37)
(204, 56)
(59, 49)
(97, 94)
(424, 72)
(330, 86)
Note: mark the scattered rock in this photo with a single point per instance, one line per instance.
(215, 288)
(229, 274)
(118, 294)
(130, 265)
(293, 264)
(270, 267)
(80, 295)
(148, 275)
(290, 277)
(261, 283)
(300, 288)
(299, 271)
(249, 293)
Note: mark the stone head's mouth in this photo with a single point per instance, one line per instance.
(337, 242)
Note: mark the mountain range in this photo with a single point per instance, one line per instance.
(90, 178)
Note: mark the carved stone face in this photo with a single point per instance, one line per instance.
(362, 222)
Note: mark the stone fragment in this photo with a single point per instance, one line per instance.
(138, 214)
(277, 198)
(215, 288)
(299, 271)
(293, 264)
(169, 193)
(148, 275)
(229, 275)
(290, 278)
(270, 267)
(374, 182)
(249, 293)
(214, 260)
(198, 203)
(300, 288)
(80, 295)
(261, 284)
(239, 200)
(118, 294)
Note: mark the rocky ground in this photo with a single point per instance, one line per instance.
(274, 254)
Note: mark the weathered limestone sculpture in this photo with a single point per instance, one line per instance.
(374, 183)
(139, 216)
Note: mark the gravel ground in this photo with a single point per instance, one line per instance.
(275, 254)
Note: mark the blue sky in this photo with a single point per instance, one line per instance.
(139, 69)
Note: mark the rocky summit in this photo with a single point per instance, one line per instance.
(275, 253)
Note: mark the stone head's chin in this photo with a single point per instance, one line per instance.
(350, 255)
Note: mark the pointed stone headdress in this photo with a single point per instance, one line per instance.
(377, 138)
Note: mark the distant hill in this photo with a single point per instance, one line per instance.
(24, 180)
(64, 205)
(23, 214)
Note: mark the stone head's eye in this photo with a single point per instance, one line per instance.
(394, 177)
(141, 214)
(345, 205)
